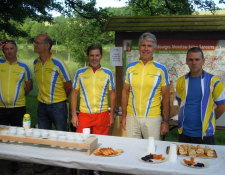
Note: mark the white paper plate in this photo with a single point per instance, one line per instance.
(205, 162)
(153, 160)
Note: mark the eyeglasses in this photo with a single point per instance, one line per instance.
(9, 41)
(35, 42)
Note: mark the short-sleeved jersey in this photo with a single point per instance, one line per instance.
(12, 82)
(146, 82)
(93, 89)
(50, 78)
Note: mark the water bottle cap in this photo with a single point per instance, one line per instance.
(26, 115)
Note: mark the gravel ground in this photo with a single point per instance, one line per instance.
(27, 169)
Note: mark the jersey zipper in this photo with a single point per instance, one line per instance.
(8, 84)
(94, 91)
(141, 87)
(43, 81)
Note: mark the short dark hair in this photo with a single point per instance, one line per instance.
(49, 41)
(94, 47)
(195, 50)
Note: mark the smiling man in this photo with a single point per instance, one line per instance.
(15, 84)
(197, 93)
(145, 82)
(94, 83)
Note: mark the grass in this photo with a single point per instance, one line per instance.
(26, 54)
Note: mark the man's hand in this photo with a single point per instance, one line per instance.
(124, 123)
(164, 128)
(1, 44)
(75, 121)
(111, 120)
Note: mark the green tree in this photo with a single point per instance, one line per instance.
(171, 7)
(19, 10)
(37, 29)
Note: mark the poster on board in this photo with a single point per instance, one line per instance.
(172, 54)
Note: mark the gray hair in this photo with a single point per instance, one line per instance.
(148, 37)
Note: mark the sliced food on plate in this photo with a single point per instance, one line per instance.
(107, 152)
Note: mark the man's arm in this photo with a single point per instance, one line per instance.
(29, 86)
(125, 96)
(112, 95)
(220, 109)
(68, 87)
(73, 103)
(1, 44)
(166, 109)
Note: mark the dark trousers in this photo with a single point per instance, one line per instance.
(12, 116)
(197, 140)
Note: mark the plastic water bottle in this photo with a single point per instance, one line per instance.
(26, 121)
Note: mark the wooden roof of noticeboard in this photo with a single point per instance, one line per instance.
(166, 23)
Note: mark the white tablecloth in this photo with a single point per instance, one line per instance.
(127, 162)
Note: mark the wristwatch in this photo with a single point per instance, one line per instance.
(166, 120)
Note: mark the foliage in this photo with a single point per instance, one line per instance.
(170, 7)
(121, 11)
(81, 34)
(19, 10)
(38, 28)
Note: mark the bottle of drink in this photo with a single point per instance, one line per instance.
(26, 121)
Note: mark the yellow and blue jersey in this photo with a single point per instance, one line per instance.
(12, 83)
(50, 78)
(146, 82)
(212, 93)
(93, 89)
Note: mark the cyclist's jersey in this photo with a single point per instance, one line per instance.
(93, 88)
(146, 84)
(12, 82)
(50, 78)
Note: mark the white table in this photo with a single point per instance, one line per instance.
(127, 162)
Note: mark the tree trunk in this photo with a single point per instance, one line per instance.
(68, 54)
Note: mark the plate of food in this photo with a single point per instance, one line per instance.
(107, 152)
(152, 158)
(194, 151)
(195, 163)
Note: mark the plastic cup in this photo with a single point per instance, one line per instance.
(36, 135)
(151, 145)
(4, 132)
(53, 136)
(44, 133)
(28, 132)
(173, 153)
(79, 140)
(70, 138)
(12, 132)
(86, 130)
(20, 133)
(62, 138)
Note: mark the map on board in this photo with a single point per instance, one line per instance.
(172, 54)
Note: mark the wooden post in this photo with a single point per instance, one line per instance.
(119, 72)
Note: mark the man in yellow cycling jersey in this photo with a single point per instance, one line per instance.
(145, 82)
(54, 86)
(14, 75)
(94, 82)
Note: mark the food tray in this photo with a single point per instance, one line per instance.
(197, 155)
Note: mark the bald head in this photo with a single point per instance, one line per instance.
(46, 39)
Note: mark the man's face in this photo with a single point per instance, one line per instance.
(39, 44)
(10, 51)
(94, 58)
(195, 63)
(146, 50)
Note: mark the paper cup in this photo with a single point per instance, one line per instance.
(36, 135)
(70, 138)
(173, 153)
(151, 145)
(28, 132)
(53, 136)
(20, 133)
(79, 140)
(4, 132)
(86, 130)
(62, 138)
(12, 133)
